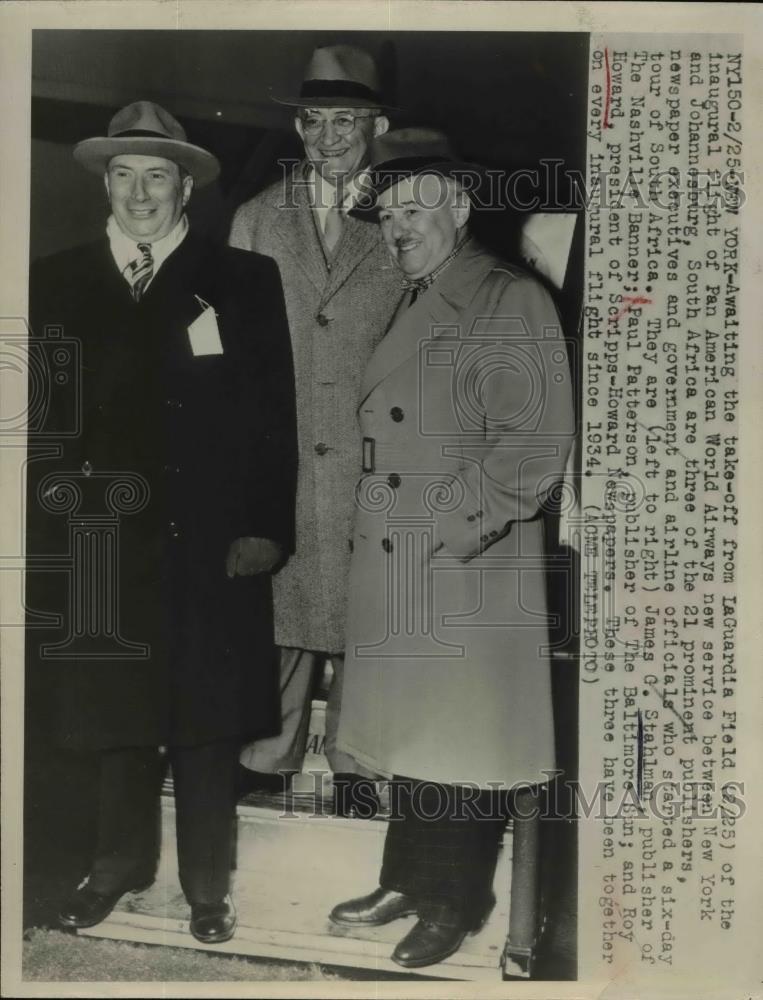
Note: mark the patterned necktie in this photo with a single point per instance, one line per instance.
(139, 272)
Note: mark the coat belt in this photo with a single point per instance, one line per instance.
(378, 456)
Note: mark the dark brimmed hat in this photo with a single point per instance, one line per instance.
(339, 76)
(145, 129)
(406, 153)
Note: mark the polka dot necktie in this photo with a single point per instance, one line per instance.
(139, 272)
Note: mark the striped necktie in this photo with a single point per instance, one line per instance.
(140, 272)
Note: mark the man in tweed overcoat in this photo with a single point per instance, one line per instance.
(341, 289)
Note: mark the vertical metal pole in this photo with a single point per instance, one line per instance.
(524, 915)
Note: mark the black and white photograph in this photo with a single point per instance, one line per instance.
(365, 568)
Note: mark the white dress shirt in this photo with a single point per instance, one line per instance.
(124, 248)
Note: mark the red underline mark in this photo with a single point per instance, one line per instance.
(630, 301)
(606, 123)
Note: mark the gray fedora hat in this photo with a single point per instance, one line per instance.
(405, 153)
(339, 76)
(146, 129)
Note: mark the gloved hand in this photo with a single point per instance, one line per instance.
(249, 556)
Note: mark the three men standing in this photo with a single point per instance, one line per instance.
(180, 492)
(341, 289)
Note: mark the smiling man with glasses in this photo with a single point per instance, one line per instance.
(341, 290)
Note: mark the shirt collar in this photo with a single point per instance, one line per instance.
(323, 193)
(427, 280)
(124, 249)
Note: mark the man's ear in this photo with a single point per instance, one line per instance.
(381, 125)
(462, 207)
(187, 188)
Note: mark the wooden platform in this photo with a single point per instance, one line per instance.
(292, 867)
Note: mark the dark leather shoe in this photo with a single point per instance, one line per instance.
(213, 923)
(251, 782)
(355, 796)
(379, 907)
(86, 908)
(427, 943)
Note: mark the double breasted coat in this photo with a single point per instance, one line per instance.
(466, 417)
(339, 307)
(153, 459)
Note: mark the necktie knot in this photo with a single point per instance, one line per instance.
(415, 284)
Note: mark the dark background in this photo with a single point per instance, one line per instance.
(506, 100)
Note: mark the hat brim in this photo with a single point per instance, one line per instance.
(95, 154)
(333, 102)
(385, 175)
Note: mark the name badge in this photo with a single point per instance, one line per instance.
(203, 332)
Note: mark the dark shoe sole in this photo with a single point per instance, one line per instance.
(215, 938)
(430, 959)
(83, 925)
(76, 925)
(372, 923)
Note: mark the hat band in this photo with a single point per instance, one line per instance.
(139, 133)
(405, 165)
(338, 88)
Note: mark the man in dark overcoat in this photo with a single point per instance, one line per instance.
(170, 505)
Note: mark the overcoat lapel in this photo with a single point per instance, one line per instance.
(295, 228)
(434, 314)
(179, 272)
(103, 275)
(358, 240)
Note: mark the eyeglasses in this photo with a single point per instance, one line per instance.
(343, 124)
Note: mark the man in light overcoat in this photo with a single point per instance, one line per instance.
(466, 414)
(341, 289)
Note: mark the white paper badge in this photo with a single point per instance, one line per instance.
(203, 333)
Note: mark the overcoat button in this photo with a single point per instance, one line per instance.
(394, 480)
(470, 517)
(386, 544)
(86, 468)
(174, 404)
(174, 529)
(397, 414)
(321, 448)
(323, 319)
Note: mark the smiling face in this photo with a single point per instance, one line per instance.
(334, 155)
(147, 195)
(420, 219)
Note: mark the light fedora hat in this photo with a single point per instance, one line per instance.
(339, 76)
(146, 129)
(405, 153)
